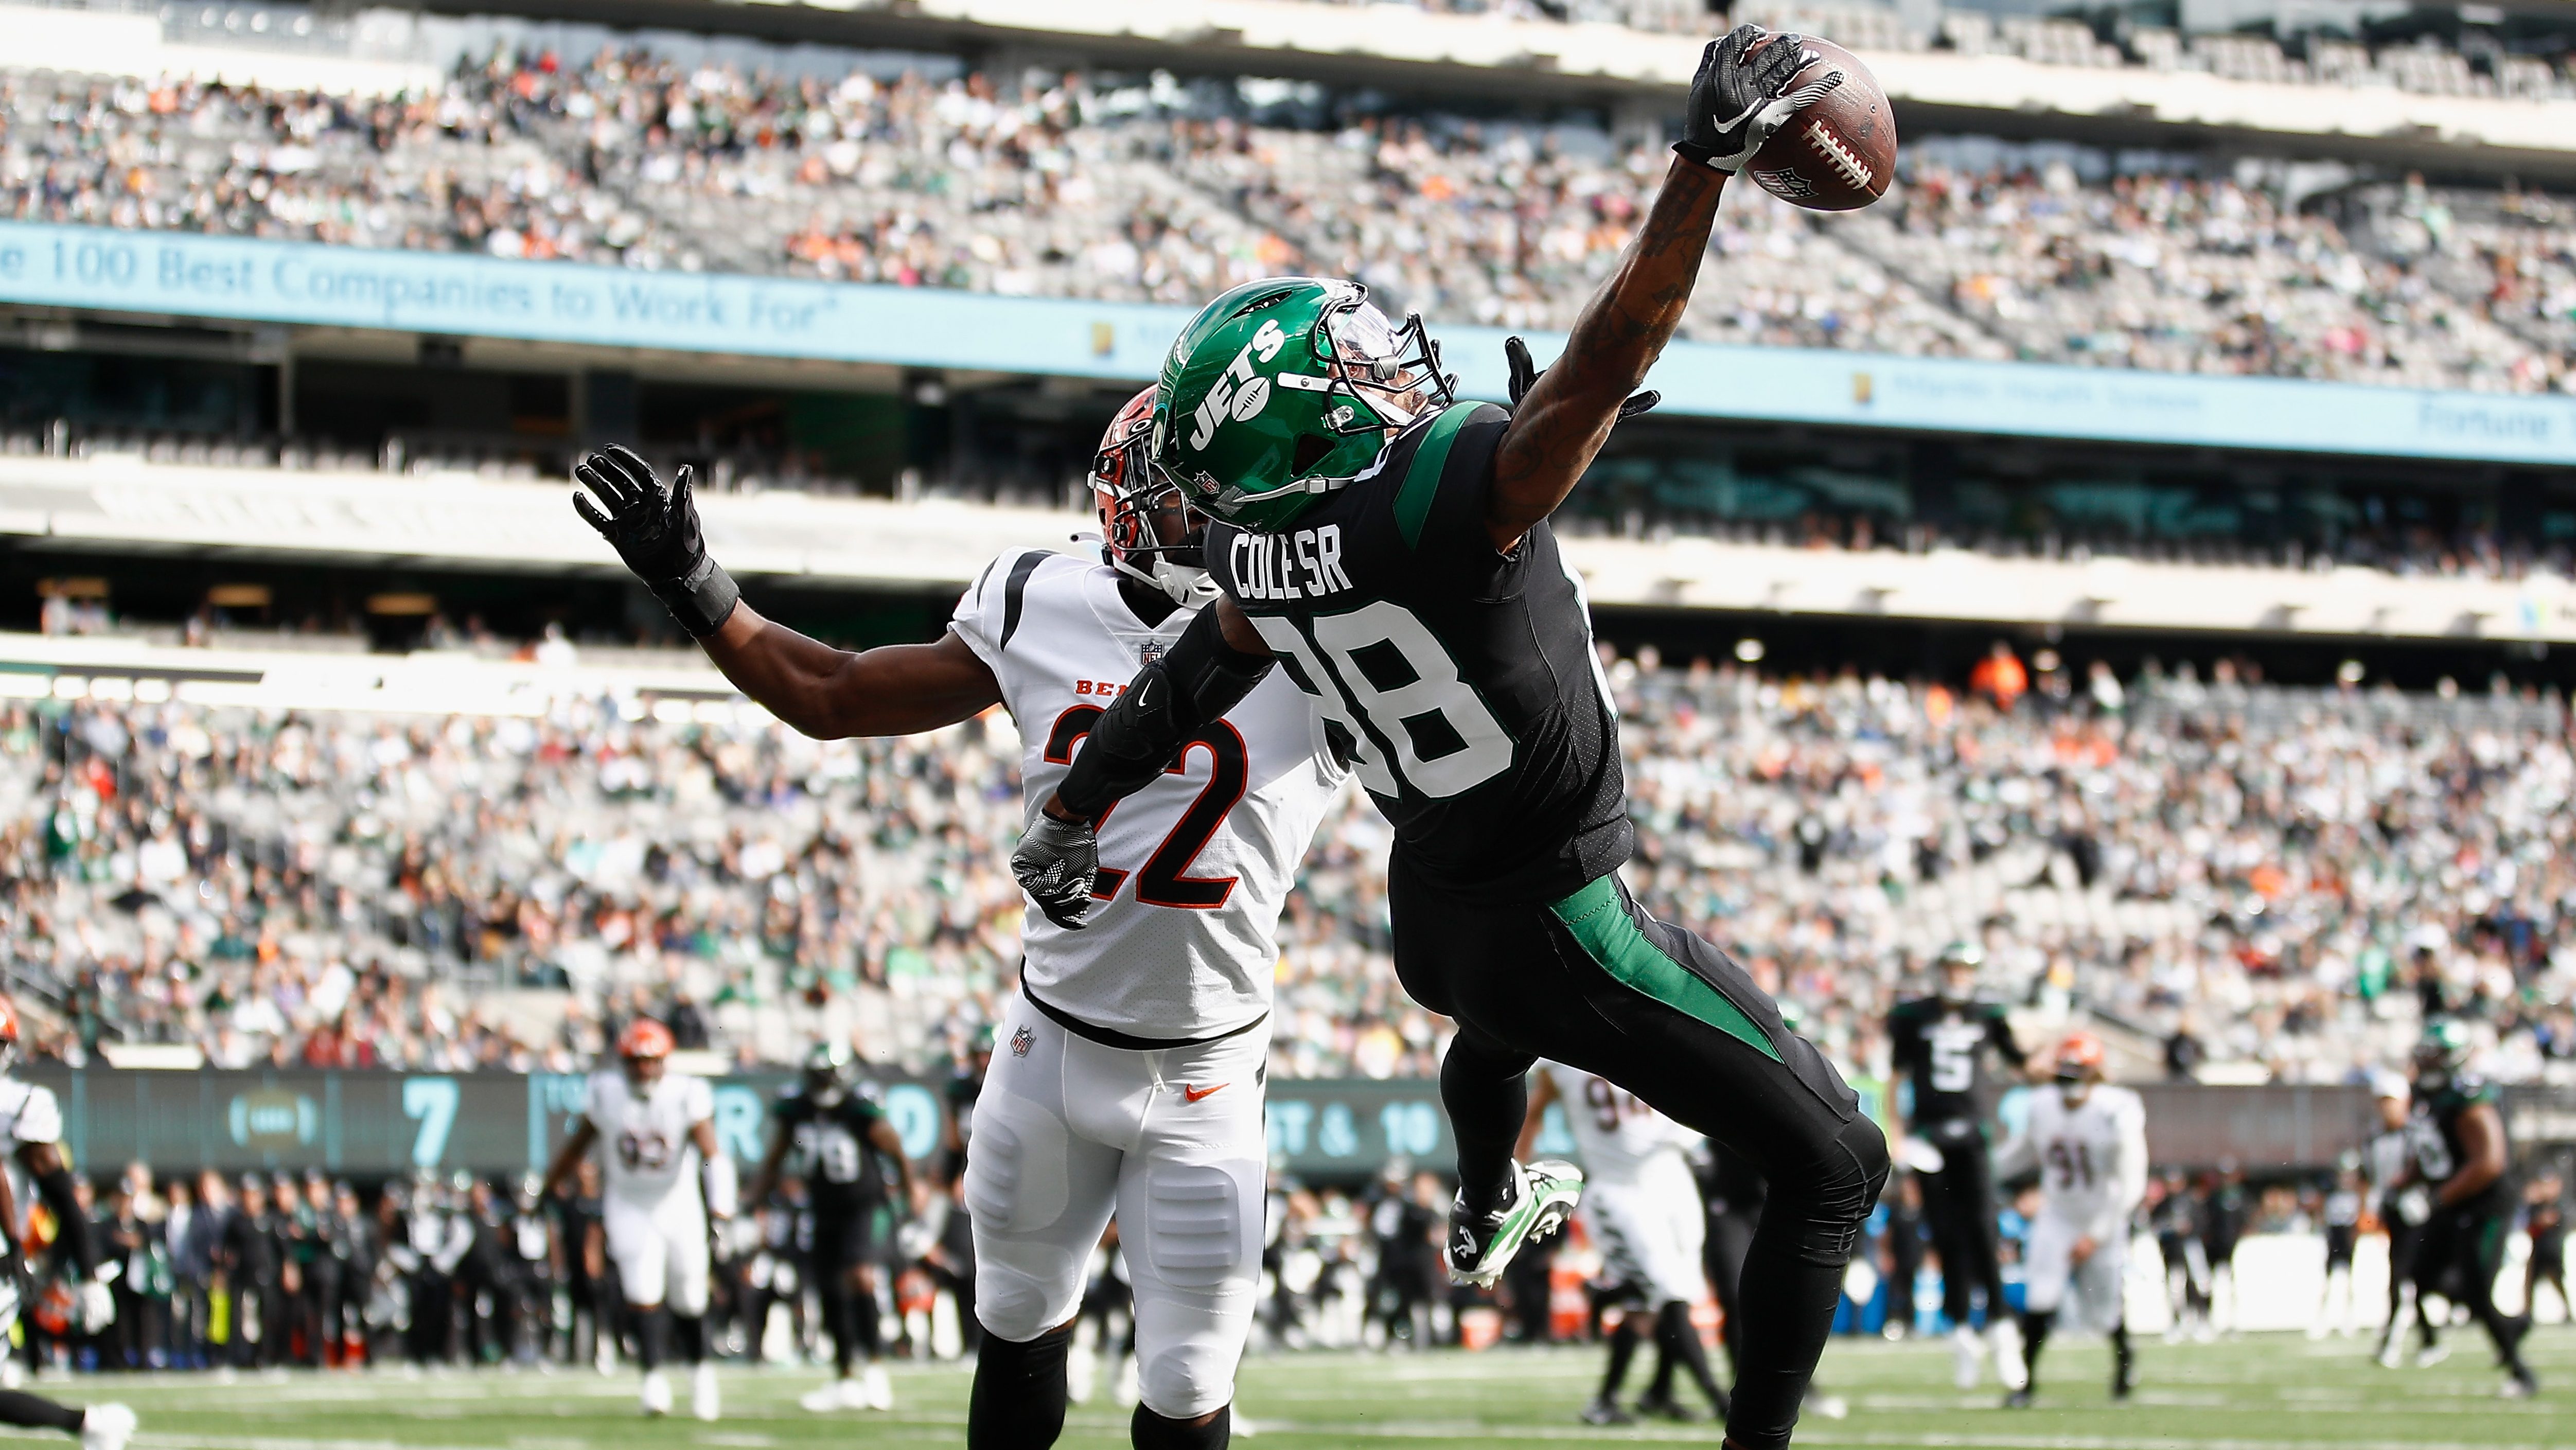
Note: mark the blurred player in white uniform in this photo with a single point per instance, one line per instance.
(2089, 1142)
(31, 1123)
(1127, 1076)
(665, 1176)
(1642, 1209)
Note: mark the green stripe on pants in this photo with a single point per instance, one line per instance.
(1600, 922)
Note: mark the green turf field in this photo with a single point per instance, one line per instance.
(2260, 1393)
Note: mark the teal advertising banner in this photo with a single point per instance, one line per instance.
(458, 294)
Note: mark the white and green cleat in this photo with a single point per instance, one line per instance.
(1482, 1246)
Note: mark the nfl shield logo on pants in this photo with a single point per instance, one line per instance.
(1022, 1041)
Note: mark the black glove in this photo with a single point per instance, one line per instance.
(657, 533)
(1736, 102)
(1516, 359)
(1056, 863)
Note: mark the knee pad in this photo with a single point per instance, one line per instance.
(1829, 1207)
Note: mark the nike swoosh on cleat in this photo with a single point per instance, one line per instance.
(1194, 1094)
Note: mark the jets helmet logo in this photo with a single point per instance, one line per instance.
(1238, 393)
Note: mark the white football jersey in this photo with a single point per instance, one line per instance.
(1615, 1133)
(645, 1153)
(2092, 1157)
(1181, 941)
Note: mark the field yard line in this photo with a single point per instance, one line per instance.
(1934, 1440)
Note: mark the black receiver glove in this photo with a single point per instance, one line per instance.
(1737, 100)
(658, 535)
(1525, 375)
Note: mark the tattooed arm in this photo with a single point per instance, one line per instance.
(1567, 414)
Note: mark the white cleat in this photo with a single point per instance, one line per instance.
(656, 1395)
(1966, 1355)
(106, 1427)
(830, 1396)
(2431, 1355)
(2012, 1371)
(705, 1400)
(877, 1390)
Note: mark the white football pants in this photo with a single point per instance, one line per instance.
(1067, 1132)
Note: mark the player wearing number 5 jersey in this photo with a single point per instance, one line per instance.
(1127, 1076)
(2089, 1142)
(654, 1130)
(1388, 546)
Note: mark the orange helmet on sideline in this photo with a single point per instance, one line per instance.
(2081, 1057)
(644, 1038)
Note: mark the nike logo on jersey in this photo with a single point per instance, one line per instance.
(1306, 564)
(1196, 1093)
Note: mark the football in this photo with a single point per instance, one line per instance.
(1837, 154)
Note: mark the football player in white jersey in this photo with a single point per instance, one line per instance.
(665, 1176)
(1641, 1207)
(1127, 1075)
(31, 1126)
(2089, 1143)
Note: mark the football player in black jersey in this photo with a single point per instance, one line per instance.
(1389, 548)
(1938, 1045)
(2473, 1205)
(833, 1117)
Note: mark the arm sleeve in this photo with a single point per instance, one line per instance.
(2018, 1155)
(1170, 700)
(2130, 1187)
(1999, 1032)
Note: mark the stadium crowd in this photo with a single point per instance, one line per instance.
(2277, 880)
(1091, 186)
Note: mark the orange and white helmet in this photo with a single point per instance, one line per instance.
(644, 1038)
(8, 1034)
(2081, 1058)
(1128, 491)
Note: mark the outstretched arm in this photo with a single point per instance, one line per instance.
(1740, 96)
(827, 693)
(821, 691)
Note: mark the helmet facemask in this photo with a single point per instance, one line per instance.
(1391, 373)
(1149, 530)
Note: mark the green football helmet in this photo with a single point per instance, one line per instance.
(2442, 1050)
(1284, 390)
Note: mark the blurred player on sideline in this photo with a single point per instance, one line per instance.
(2089, 1142)
(1939, 1044)
(834, 1120)
(1642, 1208)
(32, 1124)
(665, 1176)
(2473, 1205)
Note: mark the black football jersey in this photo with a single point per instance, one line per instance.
(1940, 1049)
(1459, 682)
(2446, 1105)
(840, 1163)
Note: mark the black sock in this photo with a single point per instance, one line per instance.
(691, 1332)
(1659, 1388)
(1152, 1432)
(865, 1323)
(1485, 1087)
(2034, 1337)
(652, 1336)
(38, 1413)
(1623, 1349)
(841, 1318)
(1019, 1396)
(1678, 1338)
(2123, 1362)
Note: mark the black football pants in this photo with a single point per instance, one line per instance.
(1959, 1206)
(1591, 981)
